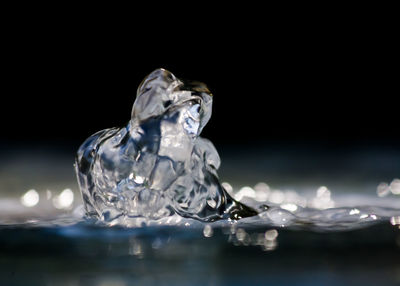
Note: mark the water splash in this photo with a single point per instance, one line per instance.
(157, 170)
(157, 165)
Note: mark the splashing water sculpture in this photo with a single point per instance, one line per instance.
(157, 165)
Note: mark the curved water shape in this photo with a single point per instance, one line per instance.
(157, 165)
(157, 170)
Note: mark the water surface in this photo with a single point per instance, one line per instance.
(327, 226)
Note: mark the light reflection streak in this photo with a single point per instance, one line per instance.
(136, 248)
(395, 220)
(289, 207)
(354, 212)
(208, 231)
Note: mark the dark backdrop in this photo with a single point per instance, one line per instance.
(329, 83)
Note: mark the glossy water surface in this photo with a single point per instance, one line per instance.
(324, 228)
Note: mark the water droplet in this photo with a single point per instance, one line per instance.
(278, 216)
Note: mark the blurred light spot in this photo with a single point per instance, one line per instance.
(289, 207)
(323, 192)
(64, 200)
(138, 179)
(245, 192)
(270, 242)
(208, 231)
(257, 238)
(365, 216)
(277, 197)
(354, 212)
(187, 224)
(262, 187)
(135, 248)
(79, 211)
(240, 234)
(33, 221)
(271, 234)
(269, 245)
(383, 190)
(48, 194)
(323, 199)
(395, 187)
(291, 197)
(262, 191)
(395, 220)
(30, 198)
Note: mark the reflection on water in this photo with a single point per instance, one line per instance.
(332, 245)
(71, 251)
(287, 208)
(319, 235)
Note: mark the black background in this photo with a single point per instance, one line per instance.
(328, 81)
